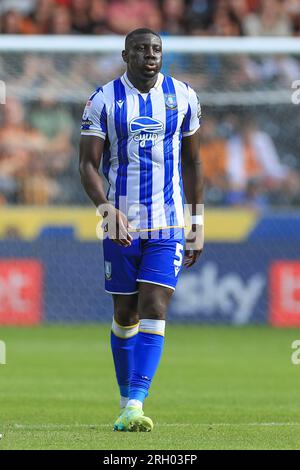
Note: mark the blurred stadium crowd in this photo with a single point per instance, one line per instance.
(192, 17)
(242, 166)
(250, 158)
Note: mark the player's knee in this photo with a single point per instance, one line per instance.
(154, 309)
(126, 317)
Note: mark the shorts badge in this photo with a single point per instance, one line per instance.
(107, 269)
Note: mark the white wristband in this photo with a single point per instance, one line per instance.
(197, 220)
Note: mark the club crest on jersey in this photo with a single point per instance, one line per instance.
(107, 270)
(171, 101)
(145, 129)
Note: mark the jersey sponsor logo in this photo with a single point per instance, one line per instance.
(171, 101)
(145, 129)
(107, 269)
(87, 122)
(145, 124)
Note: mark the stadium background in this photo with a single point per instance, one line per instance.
(217, 387)
(51, 261)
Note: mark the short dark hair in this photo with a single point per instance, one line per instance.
(138, 31)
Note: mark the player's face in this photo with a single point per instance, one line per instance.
(144, 56)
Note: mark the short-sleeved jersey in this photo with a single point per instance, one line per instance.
(142, 153)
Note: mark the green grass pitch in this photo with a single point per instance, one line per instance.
(216, 388)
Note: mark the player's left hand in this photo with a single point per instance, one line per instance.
(194, 246)
(190, 257)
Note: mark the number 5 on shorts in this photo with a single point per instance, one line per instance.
(178, 254)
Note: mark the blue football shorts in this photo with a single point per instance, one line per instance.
(152, 260)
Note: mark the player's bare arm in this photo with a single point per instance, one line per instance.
(91, 150)
(193, 189)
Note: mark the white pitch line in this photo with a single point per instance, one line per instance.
(52, 426)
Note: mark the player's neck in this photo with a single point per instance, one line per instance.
(144, 86)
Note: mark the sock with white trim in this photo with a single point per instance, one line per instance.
(122, 340)
(147, 354)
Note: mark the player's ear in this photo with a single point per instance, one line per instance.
(125, 56)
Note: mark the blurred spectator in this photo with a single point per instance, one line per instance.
(38, 154)
(194, 17)
(199, 15)
(252, 159)
(37, 188)
(225, 22)
(293, 10)
(17, 145)
(38, 22)
(279, 69)
(28, 159)
(61, 21)
(98, 19)
(80, 16)
(12, 23)
(126, 15)
(244, 169)
(56, 124)
(271, 20)
(65, 3)
(213, 154)
(15, 133)
(173, 16)
(238, 10)
(253, 5)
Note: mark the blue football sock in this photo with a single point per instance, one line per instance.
(123, 339)
(147, 354)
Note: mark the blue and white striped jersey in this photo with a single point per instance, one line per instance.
(142, 153)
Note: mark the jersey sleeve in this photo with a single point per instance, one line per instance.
(94, 119)
(192, 119)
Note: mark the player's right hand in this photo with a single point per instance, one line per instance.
(116, 226)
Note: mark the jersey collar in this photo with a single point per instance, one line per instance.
(128, 84)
